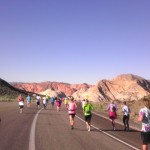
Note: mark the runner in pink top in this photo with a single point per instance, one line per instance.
(58, 104)
(111, 108)
(72, 111)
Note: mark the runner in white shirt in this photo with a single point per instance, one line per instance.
(38, 99)
(21, 102)
(126, 116)
(44, 102)
(83, 103)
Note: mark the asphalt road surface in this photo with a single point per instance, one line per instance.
(49, 130)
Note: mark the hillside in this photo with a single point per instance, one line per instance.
(8, 92)
(52, 93)
(123, 87)
(66, 88)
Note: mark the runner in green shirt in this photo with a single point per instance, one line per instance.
(87, 114)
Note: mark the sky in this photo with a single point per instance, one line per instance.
(73, 41)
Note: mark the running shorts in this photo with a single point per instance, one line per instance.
(145, 136)
(73, 115)
(38, 103)
(21, 106)
(88, 118)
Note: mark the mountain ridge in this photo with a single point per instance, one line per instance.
(9, 92)
(123, 87)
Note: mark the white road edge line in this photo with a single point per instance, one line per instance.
(111, 135)
(32, 132)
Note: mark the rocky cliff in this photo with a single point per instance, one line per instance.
(124, 87)
(64, 88)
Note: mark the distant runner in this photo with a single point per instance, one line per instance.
(66, 101)
(21, 103)
(58, 103)
(28, 99)
(38, 99)
(44, 102)
(83, 103)
(47, 98)
(52, 101)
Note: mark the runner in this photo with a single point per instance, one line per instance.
(44, 102)
(58, 104)
(87, 114)
(28, 99)
(71, 111)
(47, 98)
(38, 99)
(21, 103)
(126, 116)
(66, 101)
(52, 100)
(83, 103)
(60, 100)
(111, 108)
(144, 117)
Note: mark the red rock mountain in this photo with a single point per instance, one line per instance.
(123, 87)
(67, 89)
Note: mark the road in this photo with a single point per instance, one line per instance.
(52, 131)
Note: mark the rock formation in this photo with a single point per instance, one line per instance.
(124, 87)
(52, 93)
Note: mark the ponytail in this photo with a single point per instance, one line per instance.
(146, 102)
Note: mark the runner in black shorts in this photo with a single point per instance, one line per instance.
(144, 117)
(87, 108)
(38, 98)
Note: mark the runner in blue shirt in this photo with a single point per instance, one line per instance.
(28, 98)
(52, 100)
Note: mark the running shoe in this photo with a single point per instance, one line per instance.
(89, 129)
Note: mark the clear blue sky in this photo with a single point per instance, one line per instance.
(73, 41)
